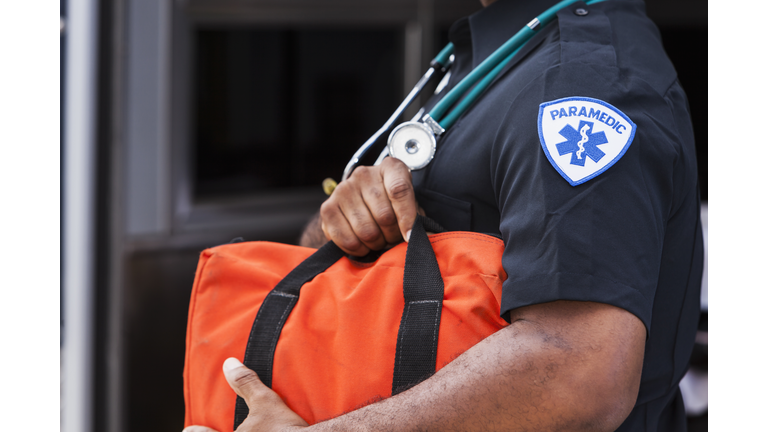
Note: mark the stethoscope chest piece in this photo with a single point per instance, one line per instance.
(413, 143)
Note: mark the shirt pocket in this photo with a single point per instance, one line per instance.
(453, 214)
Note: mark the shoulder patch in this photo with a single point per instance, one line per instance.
(582, 137)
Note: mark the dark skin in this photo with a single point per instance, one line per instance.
(375, 207)
(559, 366)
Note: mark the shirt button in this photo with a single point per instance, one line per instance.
(581, 11)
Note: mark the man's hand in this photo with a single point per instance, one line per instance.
(375, 207)
(268, 413)
(564, 365)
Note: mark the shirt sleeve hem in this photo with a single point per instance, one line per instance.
(575, 287)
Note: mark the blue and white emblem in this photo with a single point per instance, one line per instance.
(582, 137)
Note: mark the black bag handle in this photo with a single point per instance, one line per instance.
(423, 288)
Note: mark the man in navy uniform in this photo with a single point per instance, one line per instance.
(581, 157)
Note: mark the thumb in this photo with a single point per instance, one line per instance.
(244, 382)
(398, 183)
(267, 411)
(198, 429)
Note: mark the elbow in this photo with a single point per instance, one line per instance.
(596, 352)
(605, 403)
(610, 415)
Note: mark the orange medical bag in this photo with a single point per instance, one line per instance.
(330, 334)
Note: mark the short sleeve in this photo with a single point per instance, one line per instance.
(600, 240)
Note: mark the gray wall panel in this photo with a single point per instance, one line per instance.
(147, 149)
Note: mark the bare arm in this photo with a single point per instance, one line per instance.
(558, 366)
(564, 366)
(561, 366)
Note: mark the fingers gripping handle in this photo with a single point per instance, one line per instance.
(417, 337)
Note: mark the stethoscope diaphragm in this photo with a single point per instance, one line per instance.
(413, 143)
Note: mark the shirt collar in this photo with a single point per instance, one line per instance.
(482, 32)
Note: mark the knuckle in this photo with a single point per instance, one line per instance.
(368, 233)
(246, 378)
(375, 192)
(326, 208)
(397, 165)
(358, 216)
(391, 162)
(336, 235)
(344, 241)
(331, 206)
(399, 189)
(343, 190)
(351, 244)
(361, 174)
(385, 216)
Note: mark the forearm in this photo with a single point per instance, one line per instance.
(313, 235)
(521, 378)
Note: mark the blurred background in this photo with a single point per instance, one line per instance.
(188, 123)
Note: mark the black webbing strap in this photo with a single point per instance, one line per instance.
(260, 351)
(423, 288)
(416, 340)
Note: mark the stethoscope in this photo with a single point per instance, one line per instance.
(415, 142)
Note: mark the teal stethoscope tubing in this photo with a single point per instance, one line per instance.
(443, 62)
(483, 75)
(490, 68)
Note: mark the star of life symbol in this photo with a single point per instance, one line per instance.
(581, 141)
(582, 137)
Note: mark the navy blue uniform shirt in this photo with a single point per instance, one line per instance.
(630, 236)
